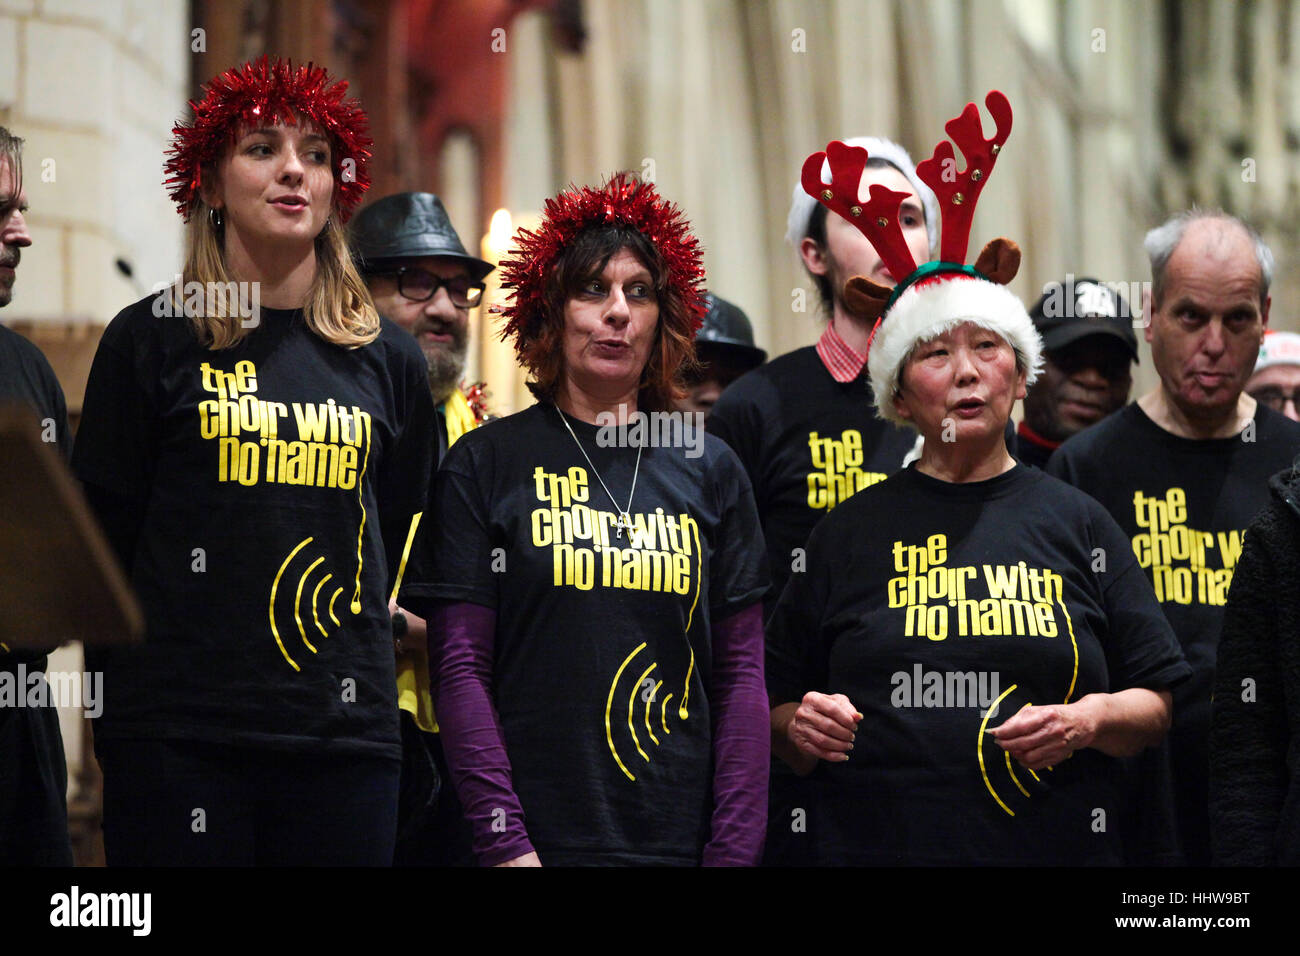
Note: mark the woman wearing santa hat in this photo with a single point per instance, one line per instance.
(972, 645)
(257, 444)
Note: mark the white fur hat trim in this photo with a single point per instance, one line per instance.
(925, 311)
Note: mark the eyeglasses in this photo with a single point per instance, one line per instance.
(420, 285)
(1275, 398)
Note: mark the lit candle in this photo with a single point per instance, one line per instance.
(496, 358)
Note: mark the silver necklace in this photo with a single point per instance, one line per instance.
(624, 518)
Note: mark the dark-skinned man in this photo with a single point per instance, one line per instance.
(1088, 353)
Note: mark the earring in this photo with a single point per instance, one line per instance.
(215, 217)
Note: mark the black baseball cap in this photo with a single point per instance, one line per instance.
(1076, 308)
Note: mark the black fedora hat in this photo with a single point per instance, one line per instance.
(407, 226)
(727, 331)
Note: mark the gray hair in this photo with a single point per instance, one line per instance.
(11, 148)
(1161, 242)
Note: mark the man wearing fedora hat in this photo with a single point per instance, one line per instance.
(421, 277)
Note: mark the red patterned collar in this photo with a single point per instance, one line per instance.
(1027, 433)
(841, 359)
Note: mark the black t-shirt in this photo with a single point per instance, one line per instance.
(1183, 504)
(603, 645)
(33, 773)
(26, 378)
(924, 602)
(807, 442)
(276, 483)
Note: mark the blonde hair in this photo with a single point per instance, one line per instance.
(338, 307)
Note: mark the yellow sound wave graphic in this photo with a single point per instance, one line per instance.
(315, 602)
(1073, 643)
(983, 738)
(361, 527)
(979, 748)
(648, 701)
(315, 596)
(699, 559)
(297, 603)
(682, 711)
(636, 687)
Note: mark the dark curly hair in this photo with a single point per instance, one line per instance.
(541, 346)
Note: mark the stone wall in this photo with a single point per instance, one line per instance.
(94, 87)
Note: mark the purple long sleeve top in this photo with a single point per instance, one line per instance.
(461, 637)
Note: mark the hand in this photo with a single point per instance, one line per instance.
(528, 859)
(824, 726)
(1045, 735)
(417, 630)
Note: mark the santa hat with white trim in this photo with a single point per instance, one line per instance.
(939, 295)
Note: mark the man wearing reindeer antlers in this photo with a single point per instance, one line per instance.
(1185, 468)
(804, 425)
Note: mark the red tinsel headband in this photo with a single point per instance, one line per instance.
(263, 93)
(623, 200)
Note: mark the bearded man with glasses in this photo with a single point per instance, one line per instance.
(421, 277)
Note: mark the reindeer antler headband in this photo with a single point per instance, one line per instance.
(936, 296)
(263, 93)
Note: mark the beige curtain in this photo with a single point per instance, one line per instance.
(1125, 110)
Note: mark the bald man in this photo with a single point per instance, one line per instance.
(1184, 470)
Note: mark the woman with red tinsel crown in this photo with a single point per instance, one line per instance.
(257, 443)
(594, 591)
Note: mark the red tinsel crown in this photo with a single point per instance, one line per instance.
(263, 93)
(622, 200)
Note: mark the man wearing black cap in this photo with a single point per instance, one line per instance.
(421, 277)
(724, 347)
(1088, 352)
